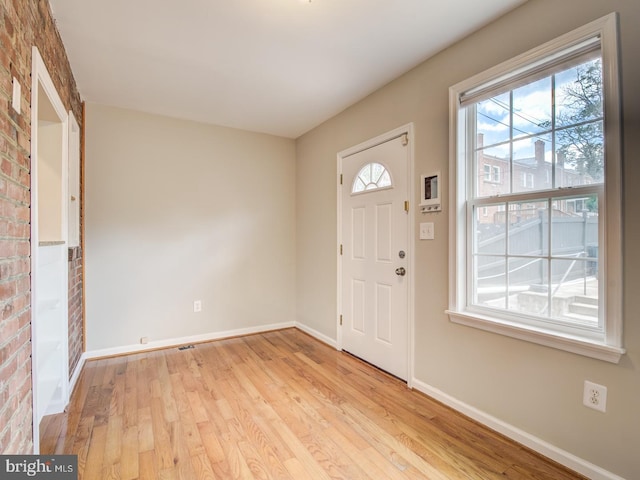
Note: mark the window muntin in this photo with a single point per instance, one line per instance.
(372, 176)
(522, 117)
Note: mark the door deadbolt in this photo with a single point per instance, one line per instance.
(401, 254)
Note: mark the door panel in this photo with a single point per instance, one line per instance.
(374, 231)
(358, 302)
(384, 316)
(383, 232)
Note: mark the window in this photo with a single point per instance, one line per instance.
(543, 267)
(527, 180)
(491, 173)
(373, 176)
(496, 174)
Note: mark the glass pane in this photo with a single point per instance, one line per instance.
(365, 174)
(529, 285)
(580, 155)
(575, 291)
(371, 177)
(532, 108)
(490, 281)
(579, 93)
(385, 180)
(574, 227)
(490, 229)
(532, 164)
(493, 120)
(528, 228)
(492, 165)
(376, 172)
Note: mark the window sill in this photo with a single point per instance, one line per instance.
(567, 343)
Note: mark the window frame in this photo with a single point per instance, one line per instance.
(609, 348)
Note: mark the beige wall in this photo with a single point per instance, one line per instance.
(534, 388)
(178, 211)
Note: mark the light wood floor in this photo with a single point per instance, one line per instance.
(276, 405)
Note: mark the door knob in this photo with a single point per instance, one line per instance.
(401, 271)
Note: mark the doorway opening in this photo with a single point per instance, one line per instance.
(49, 248)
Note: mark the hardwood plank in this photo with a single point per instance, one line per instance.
(211, 442)
(161, 435)
(145, 429)
(147, 465)
(129, 467)
(95, 453)
(202, 467)
(278, 405)
(113, 442)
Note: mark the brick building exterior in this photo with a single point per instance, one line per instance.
(23, 24)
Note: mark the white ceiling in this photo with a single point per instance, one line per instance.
(275, 66)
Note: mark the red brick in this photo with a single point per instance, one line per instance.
(23, 249)
(23, 214)
(8, 368)
(23, 285)
(7, 290)
(7, 248)
(5, 167)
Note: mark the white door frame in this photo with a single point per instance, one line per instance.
(40, 78)
(385, 137)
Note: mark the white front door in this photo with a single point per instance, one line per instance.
(375, 255)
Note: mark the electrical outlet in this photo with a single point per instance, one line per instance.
(144, 340)
(197, 305)
(595, 396)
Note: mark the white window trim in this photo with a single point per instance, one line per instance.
(611, 348)
(487, 172)
(496, 174)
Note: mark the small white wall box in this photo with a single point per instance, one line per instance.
(430, 193)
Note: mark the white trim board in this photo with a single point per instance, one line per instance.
(317, 335)
(76, 373)
(563, 457)
(174, 342)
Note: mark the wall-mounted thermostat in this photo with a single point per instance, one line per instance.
(430, 193)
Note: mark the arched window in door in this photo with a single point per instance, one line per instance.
(372, 176)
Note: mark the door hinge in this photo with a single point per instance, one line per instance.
(406, 206)
(340, 179)
(340, 249)
(340, 320)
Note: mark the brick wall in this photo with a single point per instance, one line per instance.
(23, 23)
(75, 307)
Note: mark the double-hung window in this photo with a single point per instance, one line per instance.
(537, 251)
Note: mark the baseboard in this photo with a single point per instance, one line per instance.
(563, 457)
(76, 373)
(173, 342)
(317, 335)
